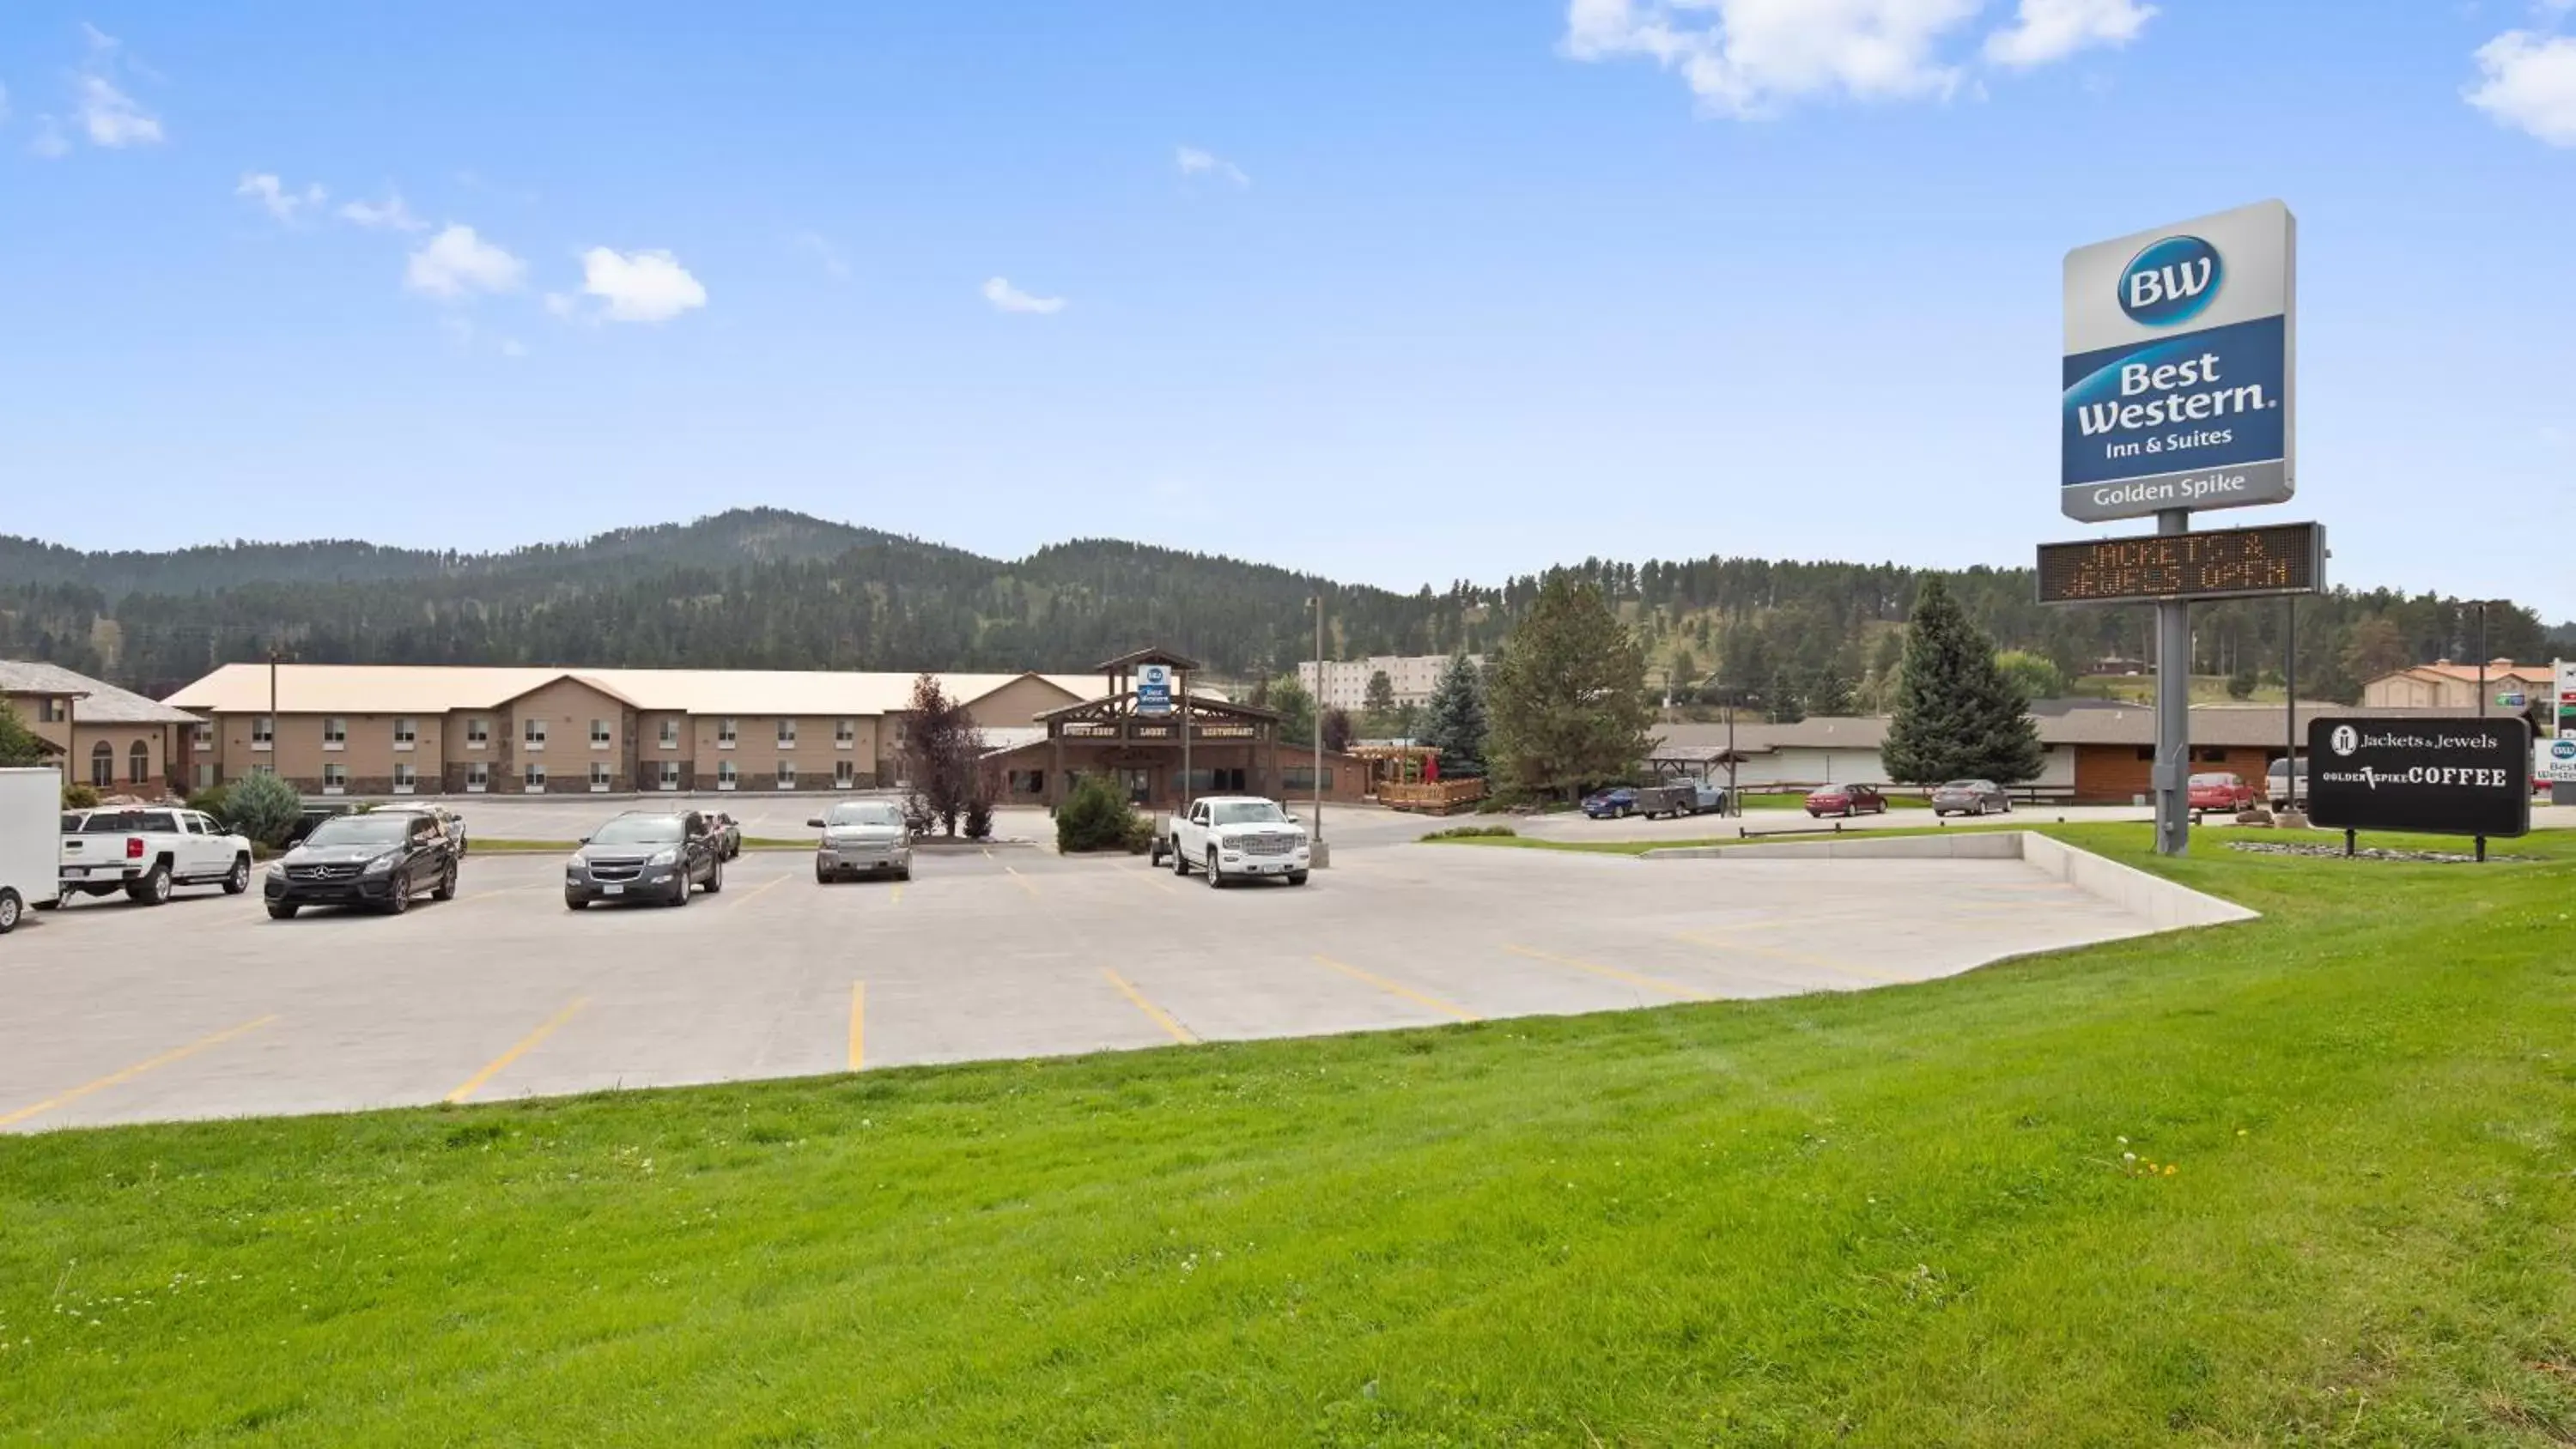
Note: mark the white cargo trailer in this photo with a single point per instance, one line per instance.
(31, 828)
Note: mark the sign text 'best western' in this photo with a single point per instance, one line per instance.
(2179, 368)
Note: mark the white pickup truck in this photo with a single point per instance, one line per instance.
(1234, 837)
(147, 851)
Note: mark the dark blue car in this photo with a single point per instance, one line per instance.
(1611, 804)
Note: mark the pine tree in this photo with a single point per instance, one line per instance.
(1296, 708)
(1958, 715)
(1567, 702)
(1455, 723)
(1379, 699)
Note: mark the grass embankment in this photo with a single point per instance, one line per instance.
(1936, 1214)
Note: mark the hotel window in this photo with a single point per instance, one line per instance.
(406, 733)
(725, 779)
(205, 777)
(102, 765)
(335, 779)
(533, 780)
(533, 734)
(599, 734)
(787, 774)
(138, 764)
(406, 777)
(845, 774)
(263, 732)
(787, 734)
(670, 774)
(599, 777)
(724, 734)
(204, 736)
(50, 710)
(478, 778)
(478, 732)
(845, 734)
(335, 732)
(670, 734)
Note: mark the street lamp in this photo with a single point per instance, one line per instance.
(1318, 707)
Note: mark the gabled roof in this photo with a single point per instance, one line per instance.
(105, 703)
(2468, 673)
(1164, 657)
(436, 689)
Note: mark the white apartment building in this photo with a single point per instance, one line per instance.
(1345, 681)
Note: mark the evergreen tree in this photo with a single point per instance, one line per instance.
(1830, 691)
(1566, 708)
(1379, 700)
(1785, 706)
(1958, 715)
(1337, 729)
(1296, 708)
(1455, 723)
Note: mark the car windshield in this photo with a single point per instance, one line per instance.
(865, 812)
(2211, 782)
(1967, 785)
(127, 822)
(361, 830)
(1259, 812)
(1824, 790)
(639, 830)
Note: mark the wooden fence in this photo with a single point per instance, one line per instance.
(1432, 797)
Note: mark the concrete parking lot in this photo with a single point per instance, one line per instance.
(206, 1008)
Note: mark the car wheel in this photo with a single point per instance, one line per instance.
(400, 900)
(715, 879)
(445, 890)
(278, 912)
(237, 880)
(574, 903)
(10, 909)
(154, 888)
(680, 897)
(1297, 877)
(822, 876)
(903, 872)
(1216, 877)
(1180, 862)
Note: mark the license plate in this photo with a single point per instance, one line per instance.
(612, 890)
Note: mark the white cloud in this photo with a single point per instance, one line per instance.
(112, 118)
(813, 244)
(1007, 298)
(387, 215)
(513, 347)
(1195, 162)
(1754, 57)
(283, 204)
(456, 263)
(99, 40)
(2051, 30)
(50, 142)
(638, 286)
(2530, 84)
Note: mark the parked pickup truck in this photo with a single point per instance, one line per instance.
(148, 851)
(1234, 837)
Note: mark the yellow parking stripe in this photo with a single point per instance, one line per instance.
(1395, 988)
(898, 894)
(756, 892)
(1019, 880)
(117, 1079)
(858, 1025)
(1651, 983)
(1799, 958)
(526, 1044)
(1162, 1018)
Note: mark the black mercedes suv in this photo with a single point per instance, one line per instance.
(380, 860)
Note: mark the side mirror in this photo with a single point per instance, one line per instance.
(585, 840)
(814, 824)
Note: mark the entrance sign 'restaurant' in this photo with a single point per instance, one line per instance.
(2179, 367)
(2283, 558)
(2459, 776)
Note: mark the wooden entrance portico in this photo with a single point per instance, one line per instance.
(1224, 740)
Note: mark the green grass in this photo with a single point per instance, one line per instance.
(1900, 1217)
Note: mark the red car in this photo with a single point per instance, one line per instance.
(2223, 794)
(1845, 800)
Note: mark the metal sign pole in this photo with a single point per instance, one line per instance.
(2173, 708)
(2290, 688)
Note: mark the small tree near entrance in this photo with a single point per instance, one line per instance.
(1958, 715)
(941, 753)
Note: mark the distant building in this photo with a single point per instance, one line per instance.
(110, 738)
(1345, 681)
(2445, 685)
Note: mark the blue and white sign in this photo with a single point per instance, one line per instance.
(1153, 689)
(2179, 368)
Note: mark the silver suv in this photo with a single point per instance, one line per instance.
(862, 837)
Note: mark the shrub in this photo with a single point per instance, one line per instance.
(263, 807)
(1474, 832)
(979, 818)
(1097, 817)
(209, 801)
(79, 797)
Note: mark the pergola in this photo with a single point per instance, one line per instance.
(1117, 732)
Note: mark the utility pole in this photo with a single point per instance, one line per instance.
(1318, 703)
(2290, 688)
(1184, 806)
(2482, 659)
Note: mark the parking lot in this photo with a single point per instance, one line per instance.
(205, 1007)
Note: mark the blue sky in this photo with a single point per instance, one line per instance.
(1402, 293)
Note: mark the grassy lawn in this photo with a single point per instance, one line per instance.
(1938, 1214)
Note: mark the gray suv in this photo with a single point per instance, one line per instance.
(645, 856)
(862, 836)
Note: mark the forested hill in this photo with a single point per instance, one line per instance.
(764, 588)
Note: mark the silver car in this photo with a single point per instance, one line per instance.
(862, 837)
(1970, 797)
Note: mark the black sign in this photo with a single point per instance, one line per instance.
(2235, 563)
(2463, 776)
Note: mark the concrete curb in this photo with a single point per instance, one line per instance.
(2162, 903)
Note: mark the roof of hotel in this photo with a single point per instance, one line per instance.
(437, 689)
(104, 703)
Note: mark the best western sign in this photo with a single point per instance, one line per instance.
(2178, 369)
